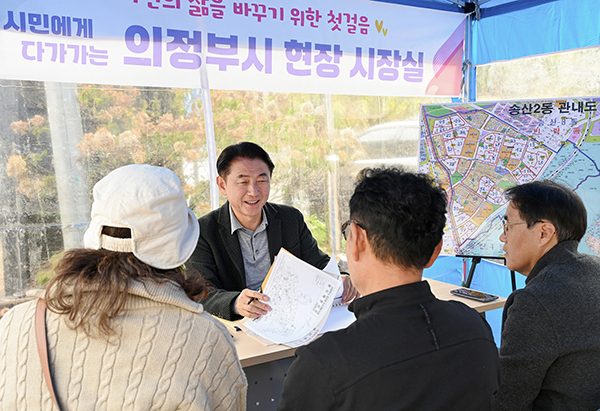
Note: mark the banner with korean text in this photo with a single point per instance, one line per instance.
(327, 46)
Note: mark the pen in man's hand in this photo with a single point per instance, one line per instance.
(252, 298)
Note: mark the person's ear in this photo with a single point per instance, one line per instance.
(359, 240)
(547, 232)
(436, 253)
(222, 185)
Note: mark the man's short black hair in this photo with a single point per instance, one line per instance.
(404, 214)
(547, 200)
(244, 149)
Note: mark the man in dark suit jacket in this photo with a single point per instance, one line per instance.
(238, 242)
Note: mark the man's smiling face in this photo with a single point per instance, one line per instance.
(247, 187)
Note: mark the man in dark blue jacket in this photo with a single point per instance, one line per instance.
(407, 350)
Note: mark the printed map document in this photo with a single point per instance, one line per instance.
(300, 297)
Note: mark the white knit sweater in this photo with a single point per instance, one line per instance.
(168, 355)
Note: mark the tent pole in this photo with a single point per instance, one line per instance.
(71, 177)
(211, 148)
(469, 71)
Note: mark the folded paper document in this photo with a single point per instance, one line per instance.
(300, 297)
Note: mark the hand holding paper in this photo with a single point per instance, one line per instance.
(349, 292)
(346, 293)
(300, 297)
(249, 304)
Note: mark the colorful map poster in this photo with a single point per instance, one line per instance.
(477, 150)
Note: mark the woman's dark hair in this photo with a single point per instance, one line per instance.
(244, 149)
(91, 286)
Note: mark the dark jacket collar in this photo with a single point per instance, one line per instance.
(398, 297)
(559, 252)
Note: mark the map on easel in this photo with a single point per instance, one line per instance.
(477, 150)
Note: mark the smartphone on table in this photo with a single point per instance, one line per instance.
(474, 295)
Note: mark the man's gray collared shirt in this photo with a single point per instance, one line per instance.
(255, 250)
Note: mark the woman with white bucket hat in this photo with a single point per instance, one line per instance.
(122, 328)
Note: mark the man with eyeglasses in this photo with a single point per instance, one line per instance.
(407, 350)
(550, 348)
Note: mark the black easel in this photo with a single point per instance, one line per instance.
(477, 260)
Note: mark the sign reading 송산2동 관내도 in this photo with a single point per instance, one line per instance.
(326, 46)
(478, 150)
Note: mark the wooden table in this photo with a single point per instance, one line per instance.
(266, 366)
(252, 352)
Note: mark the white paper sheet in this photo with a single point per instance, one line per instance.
(300, 297)
(332, 267)
(339, 318)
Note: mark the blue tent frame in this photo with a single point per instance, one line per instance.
(510, 29)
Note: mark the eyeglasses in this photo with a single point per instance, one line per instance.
(505, 225)
(347, 224)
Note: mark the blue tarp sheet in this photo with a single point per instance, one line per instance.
(526, 28)
(511, 29)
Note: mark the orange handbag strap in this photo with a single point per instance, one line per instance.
(40, 337)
